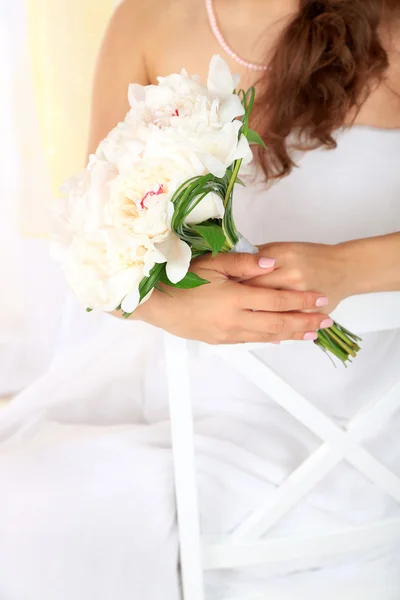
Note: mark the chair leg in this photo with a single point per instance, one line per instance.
(182, 432)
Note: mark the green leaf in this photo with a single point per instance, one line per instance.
(228, 223)
(89, 310)
(255, 138)
(250, 98)
(148, 283)
(214, 236)
(190, 281)
(197, 252)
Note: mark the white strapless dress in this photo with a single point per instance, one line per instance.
(86, 493)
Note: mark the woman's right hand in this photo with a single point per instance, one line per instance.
(228, 312)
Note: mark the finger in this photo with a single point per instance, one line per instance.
(277, 280)
(253, 298)
(241, 266)
(251, 337)
(281, 323)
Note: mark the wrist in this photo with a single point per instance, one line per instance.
(365, 267)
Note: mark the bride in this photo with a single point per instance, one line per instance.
(87, 500)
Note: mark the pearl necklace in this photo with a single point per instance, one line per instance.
(212, 17)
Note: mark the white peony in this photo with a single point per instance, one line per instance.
(114, 225)
(103, 268)
(207, 150)
(179, 96)
(122, 148)
(183, 116)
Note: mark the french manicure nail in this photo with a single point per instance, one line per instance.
(266, 263)
(322, 302)
(326, 323)
(311, 336)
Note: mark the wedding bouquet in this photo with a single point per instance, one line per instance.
(158, 193)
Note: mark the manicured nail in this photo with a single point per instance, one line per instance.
(322, 302)
(266, 263)
(326, 323)
(311, 336)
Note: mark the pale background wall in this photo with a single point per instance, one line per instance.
(62, 41)
(47, 57)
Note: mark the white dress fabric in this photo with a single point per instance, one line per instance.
(30, 311)
(86, 487)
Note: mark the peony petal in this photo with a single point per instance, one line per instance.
(178, 266)
(99, 192)
(131, 301)
(236, 80)
(215, 166)
(156, 257)
(136, 93)
(135, 147)
(220, 81)
(231, 108)
(211, 207)
(244, 151)
(157, 96)
(178, 256)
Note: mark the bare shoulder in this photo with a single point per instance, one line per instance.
(140, 36)
(128, 26)
(151, 27)
(121, 61)
(153, 14)
(180, 37)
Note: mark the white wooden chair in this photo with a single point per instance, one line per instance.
(243, 548)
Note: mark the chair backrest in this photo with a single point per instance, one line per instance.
(243, 547)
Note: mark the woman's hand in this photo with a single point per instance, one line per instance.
(228, 312)
(308, 267)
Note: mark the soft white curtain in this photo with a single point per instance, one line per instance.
(11, 306)
(47, 55)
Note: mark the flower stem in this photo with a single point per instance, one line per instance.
(346, 338)
(339, 341)
(228, 224)
(232, 182)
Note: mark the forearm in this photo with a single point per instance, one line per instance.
(372, 264)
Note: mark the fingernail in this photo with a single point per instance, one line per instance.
(266, 263)
(276, 343)
(322, 302)
(326, 323)
(311, 336)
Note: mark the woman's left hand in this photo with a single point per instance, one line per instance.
(302, 266)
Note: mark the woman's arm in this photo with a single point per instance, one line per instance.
(339, 271)
(372, 264)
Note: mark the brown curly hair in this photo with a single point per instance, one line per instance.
(323, 68)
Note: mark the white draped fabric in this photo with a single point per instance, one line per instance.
(87, 506)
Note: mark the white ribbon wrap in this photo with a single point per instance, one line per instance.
(244, 246)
